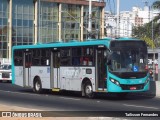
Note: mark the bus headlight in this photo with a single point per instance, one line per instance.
(114, 81)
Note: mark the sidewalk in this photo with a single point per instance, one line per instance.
(158, 88)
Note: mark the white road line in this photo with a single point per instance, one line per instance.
(140, 106)
(18, 92)
(69, 98)
(36, 94)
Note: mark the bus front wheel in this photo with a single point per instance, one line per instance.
(88, 90)
(37, 86)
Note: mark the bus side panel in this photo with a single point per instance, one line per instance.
(18, 80)
(43, 73)
(71, 77)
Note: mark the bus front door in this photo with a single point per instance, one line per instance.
(55, 69)
(27, 68)
(101, 69)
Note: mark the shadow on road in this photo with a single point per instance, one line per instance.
(102, 96)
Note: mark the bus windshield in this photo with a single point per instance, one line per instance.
(128, 60)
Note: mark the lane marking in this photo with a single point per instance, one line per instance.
(37, 94)
(140, 106)
(17, 92)
(69, 98)
(14, 107)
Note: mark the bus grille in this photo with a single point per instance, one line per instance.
(127, 87)
(5, 75)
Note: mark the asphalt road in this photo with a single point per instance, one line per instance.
(70, 101)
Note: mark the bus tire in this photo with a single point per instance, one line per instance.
(37, 86)
(88, 90)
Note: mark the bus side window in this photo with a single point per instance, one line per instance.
(18, 58)
(45, 53)
(88, 56)
(36, 57)
(65, 57)
(76, 56)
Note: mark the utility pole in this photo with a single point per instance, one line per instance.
(90, 19)
(154, 56)
(39, 6)
(118, 18)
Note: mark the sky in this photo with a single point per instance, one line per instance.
(126, 5)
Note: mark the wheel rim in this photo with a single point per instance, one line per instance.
(88, 90)
(37, 86)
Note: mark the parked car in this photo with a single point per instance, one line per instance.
(5, 72)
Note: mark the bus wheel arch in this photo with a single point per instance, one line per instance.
(87, 89)
(37, 84)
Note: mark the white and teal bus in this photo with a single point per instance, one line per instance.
(93, 66)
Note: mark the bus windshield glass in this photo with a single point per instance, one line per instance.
(128, 59)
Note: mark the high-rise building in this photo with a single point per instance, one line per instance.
(128, 19)
(24, 22)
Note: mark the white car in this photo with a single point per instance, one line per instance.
(5, 72)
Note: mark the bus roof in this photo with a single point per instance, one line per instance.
(65, 44)
(72, 43)
(126, 38)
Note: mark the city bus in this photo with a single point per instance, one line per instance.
(91, 67)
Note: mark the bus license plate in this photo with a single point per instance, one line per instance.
(133, 88)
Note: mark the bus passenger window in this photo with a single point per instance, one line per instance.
(18, 58)
(85, 61)
(76, 56)
(75, 61)
(65, 57)
(45, 53)
(88, 56)
(36, 57)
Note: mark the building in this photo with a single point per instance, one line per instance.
(127, 20)
(24, 22)
(110, 24)
(125, 24)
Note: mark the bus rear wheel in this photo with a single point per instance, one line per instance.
(88, 90)
(37, 86)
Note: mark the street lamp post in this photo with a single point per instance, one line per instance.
(39, 11)
(118, 18)
(90, 20)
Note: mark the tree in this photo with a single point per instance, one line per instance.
(149, 42)
(156, 4)
(156, 21)
(145, 32)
